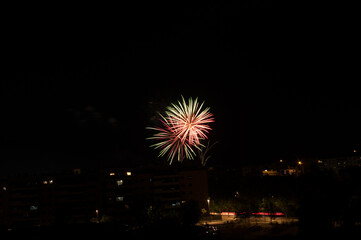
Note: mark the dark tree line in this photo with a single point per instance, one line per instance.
(322, 200)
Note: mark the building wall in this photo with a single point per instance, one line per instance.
(338, 163)
(80, 197)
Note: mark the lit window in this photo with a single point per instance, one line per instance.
(51, 181)
(45, 182)
(111, 174)
(175, 204)
(119, 199)
(4, 188)
(119, 182)
(33, 208)
(129, 173)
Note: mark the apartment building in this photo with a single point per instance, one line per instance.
(78, 196)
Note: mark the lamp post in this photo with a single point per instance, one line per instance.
(97, 213)
(300, 164)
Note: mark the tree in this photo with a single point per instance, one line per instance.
(190, 213)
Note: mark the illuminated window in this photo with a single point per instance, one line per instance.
(45, 182)
(119, 182)
(33, 208)
(4, 188)
(51, 181)
(111, 174)
(175, 204)
(129, 173)
(119, 199)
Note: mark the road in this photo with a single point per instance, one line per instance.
(253, 220)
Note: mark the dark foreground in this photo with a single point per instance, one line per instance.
(285, 232)
(225, 232)
(111, 231)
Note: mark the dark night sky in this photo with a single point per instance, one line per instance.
(81, 83)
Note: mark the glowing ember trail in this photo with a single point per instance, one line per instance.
(184, 126)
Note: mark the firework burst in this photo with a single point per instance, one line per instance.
(183, 127)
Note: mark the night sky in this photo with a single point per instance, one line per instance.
(81, 83)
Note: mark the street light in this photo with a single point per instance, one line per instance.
(300, 164)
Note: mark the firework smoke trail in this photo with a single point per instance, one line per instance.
(183, 127)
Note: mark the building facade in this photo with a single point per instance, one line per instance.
(338, 163)
(77, 197)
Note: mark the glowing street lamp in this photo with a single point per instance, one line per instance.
(97, 214)
(300, 164)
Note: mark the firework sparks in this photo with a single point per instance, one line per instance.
(184, 126)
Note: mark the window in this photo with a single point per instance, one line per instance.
(33, 207)
(48, 181)
(119, 199)
(119, 182)
(175, 204)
